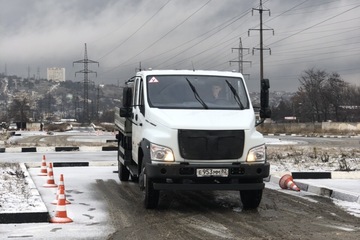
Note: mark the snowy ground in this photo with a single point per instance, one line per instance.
(289, 156)
(17, 190)
(344, 163)
(87, 209)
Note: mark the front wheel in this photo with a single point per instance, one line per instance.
(251, 198)
(150, 195)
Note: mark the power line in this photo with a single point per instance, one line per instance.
(210, 47)
(163, 36)
(320, 10)
(288, 10)
(218, 29)
(330, 18)
(318, 48)
(137, 30)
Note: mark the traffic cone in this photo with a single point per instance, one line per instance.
(61, 214)
(61, 185)
(50, 182)
(287, 182)
(43, 170)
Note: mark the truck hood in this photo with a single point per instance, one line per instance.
(202, 119)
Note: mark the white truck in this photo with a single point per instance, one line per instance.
(191, 130)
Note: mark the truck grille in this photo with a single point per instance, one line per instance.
(211, 144)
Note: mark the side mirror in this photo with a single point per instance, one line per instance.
(125, 110)
(127, 97)
(265, 111)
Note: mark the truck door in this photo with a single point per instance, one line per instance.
(138, 117)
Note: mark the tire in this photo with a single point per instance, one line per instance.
(251, 198)
(123, 172)
(150, 195)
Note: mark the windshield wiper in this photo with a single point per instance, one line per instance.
(196, 94)
(236, 95)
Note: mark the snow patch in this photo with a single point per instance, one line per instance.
(18, 192)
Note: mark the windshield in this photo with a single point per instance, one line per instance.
(196, 92)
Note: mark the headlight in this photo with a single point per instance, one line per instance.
(257, 154)
(161, 153)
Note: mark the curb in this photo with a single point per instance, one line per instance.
(27, 217)
(57, 149)
(75, 164)
(319, 190)
(311, 135)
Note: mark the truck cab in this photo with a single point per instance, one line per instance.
(190, 130)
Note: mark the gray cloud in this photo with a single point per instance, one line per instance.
(184, 33)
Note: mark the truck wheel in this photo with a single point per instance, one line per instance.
(150, 195)
(123, 172)
(251, 198)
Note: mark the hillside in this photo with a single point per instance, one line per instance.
(50, 100)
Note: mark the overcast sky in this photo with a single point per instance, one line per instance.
(181, 34)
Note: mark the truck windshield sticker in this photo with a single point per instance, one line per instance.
(153, 80)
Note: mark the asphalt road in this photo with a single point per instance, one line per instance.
(219, 215)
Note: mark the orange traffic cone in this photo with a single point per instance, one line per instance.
(50, 183)
(287, 182)
(43, 170)
(61, 185)
(61, 214)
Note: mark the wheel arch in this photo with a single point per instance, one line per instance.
(143, 153)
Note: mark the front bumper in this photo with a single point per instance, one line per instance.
(183, 176)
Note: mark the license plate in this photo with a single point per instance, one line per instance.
(212, 172)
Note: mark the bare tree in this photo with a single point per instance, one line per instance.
(19, 109)
(323, 96)
(302, 107)
(282, 110)
(312, 83)
(334, 93)
(350, 110)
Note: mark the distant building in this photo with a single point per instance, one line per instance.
(56, 74)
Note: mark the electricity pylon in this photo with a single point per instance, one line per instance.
(240, 60)
(86, 71)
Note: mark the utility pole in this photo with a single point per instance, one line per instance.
(240, 60)
(98, 101)
(261, 10)
(76, 104)
(49, 104)
(38, 74)
(86, 72)
(28, 78)
(138, 69)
